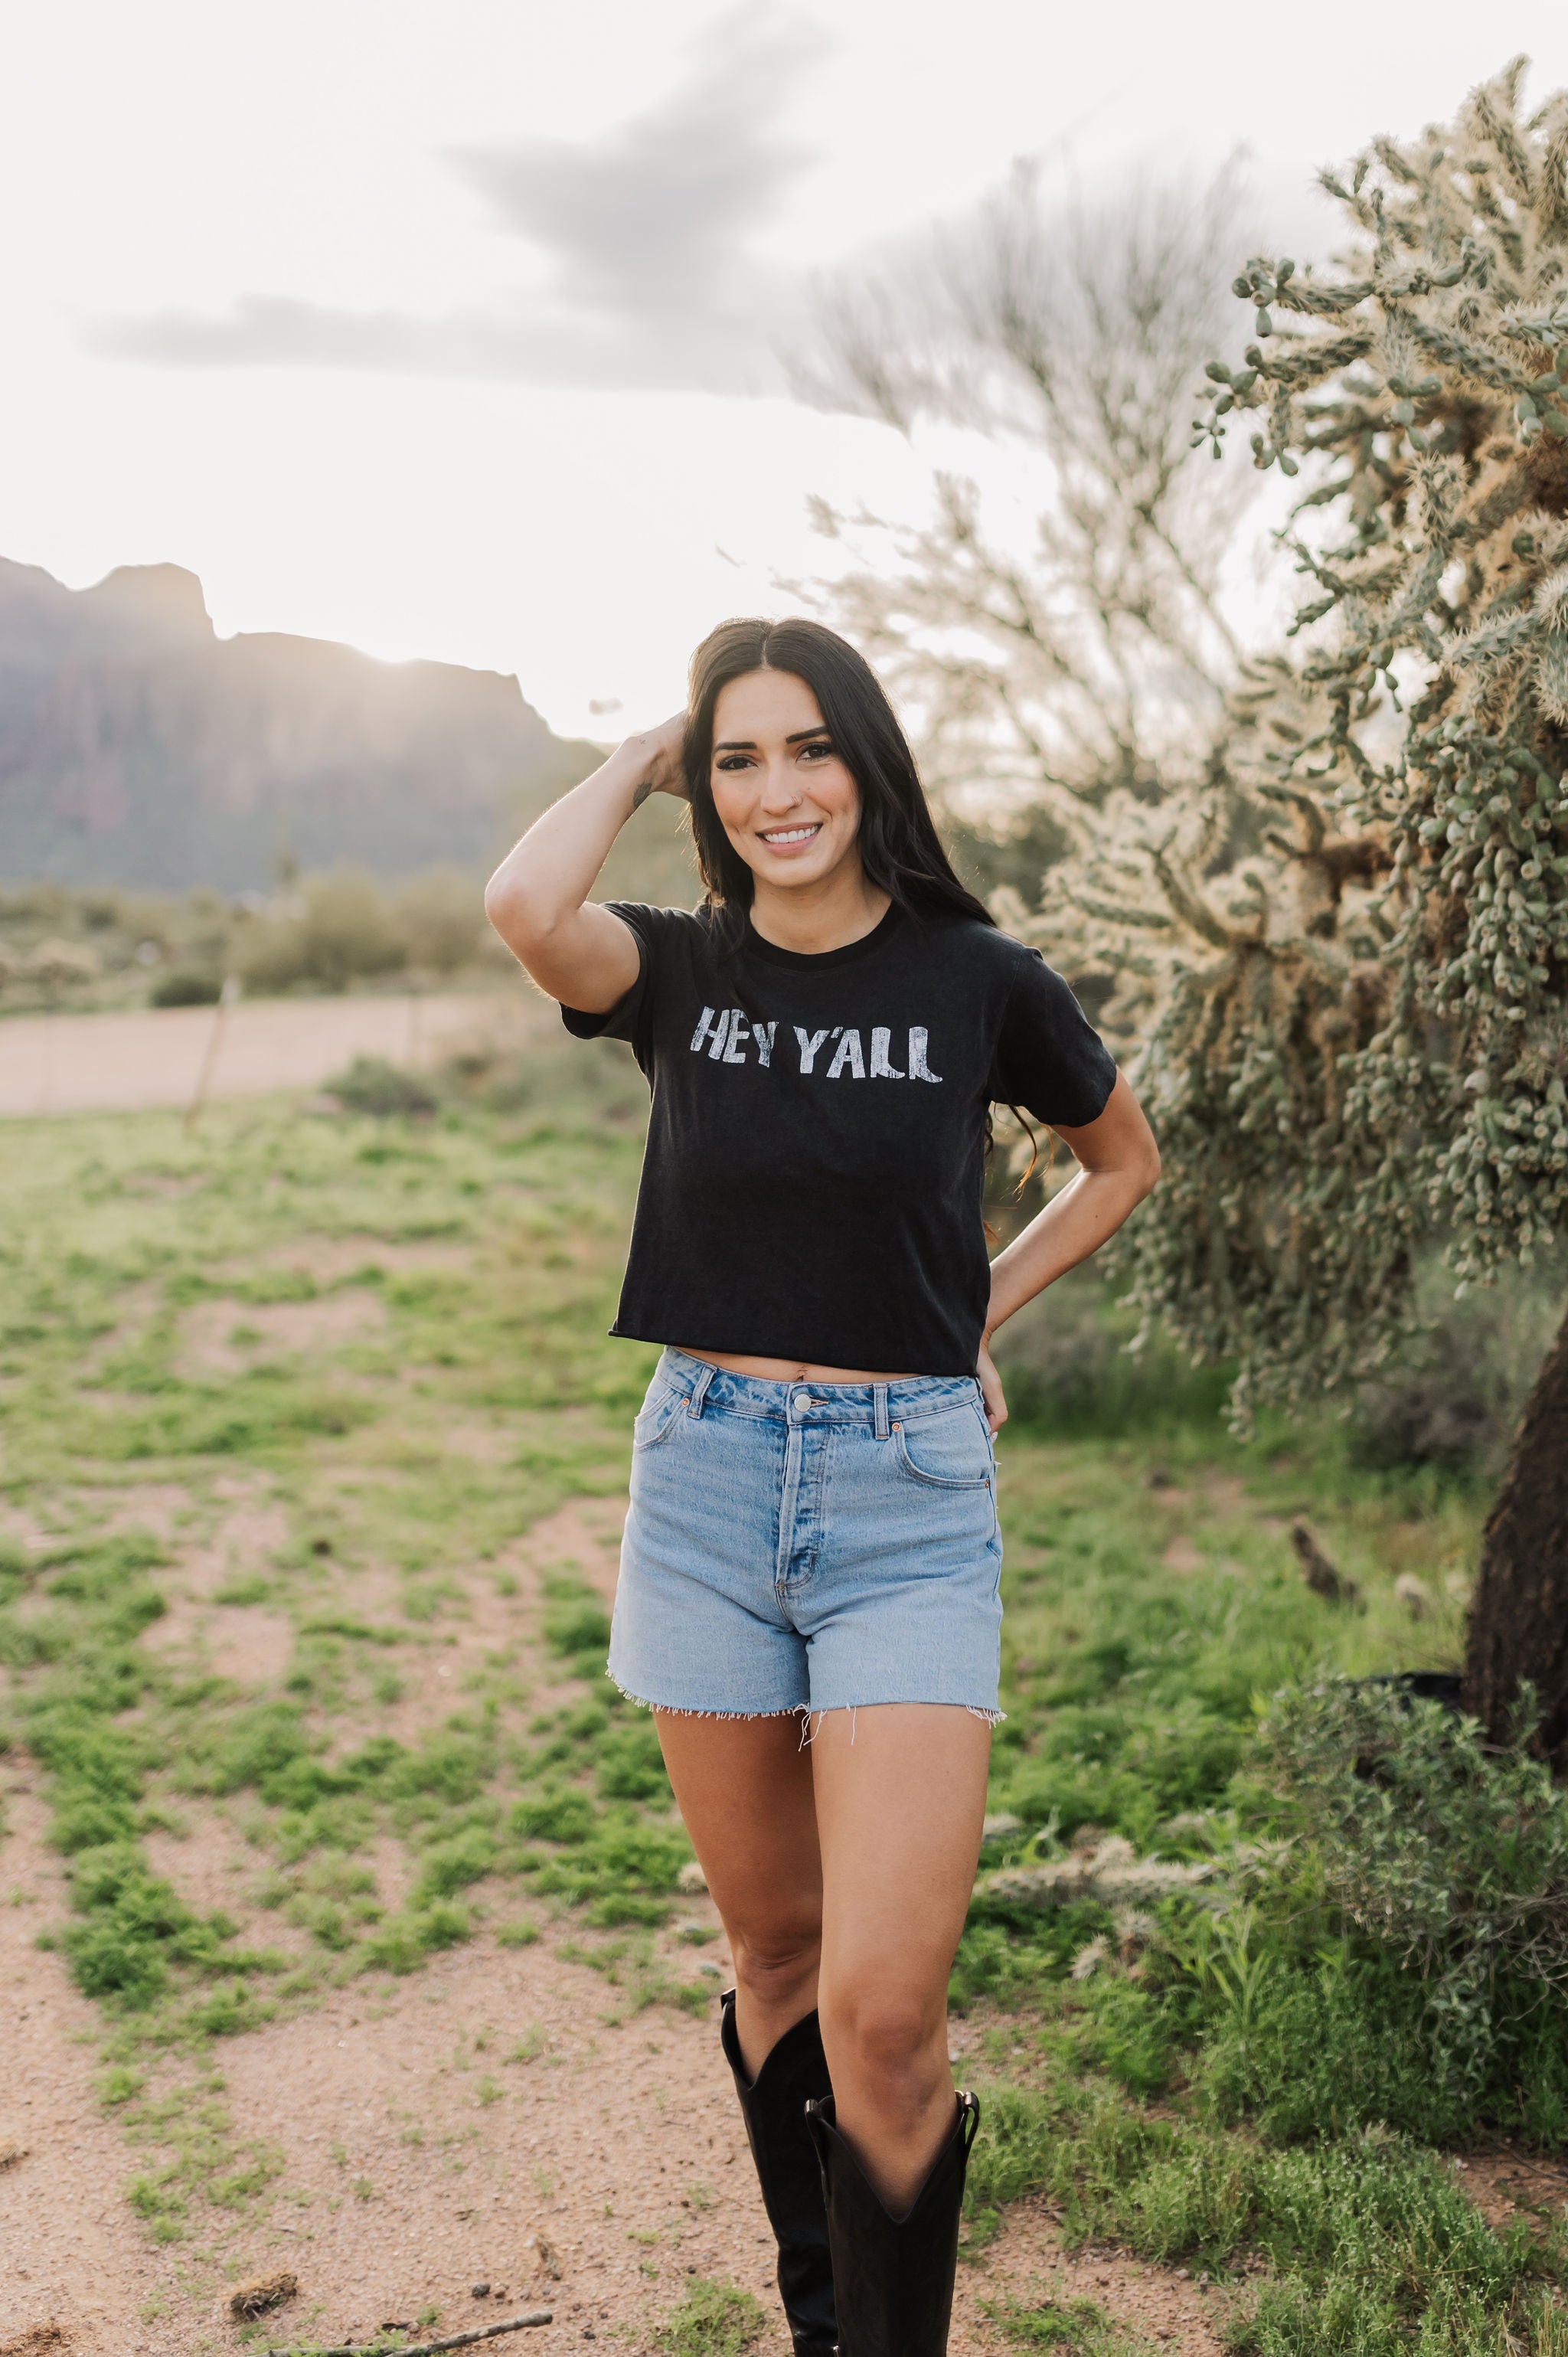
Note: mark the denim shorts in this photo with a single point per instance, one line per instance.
(800, 1547)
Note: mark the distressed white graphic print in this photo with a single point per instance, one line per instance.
(725, 1034)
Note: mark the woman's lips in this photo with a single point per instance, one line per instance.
(787, 839)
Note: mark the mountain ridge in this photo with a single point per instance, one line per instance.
(137, 747)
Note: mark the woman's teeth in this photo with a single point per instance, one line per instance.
(791, 834)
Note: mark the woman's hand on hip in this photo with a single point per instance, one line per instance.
(991, 1388)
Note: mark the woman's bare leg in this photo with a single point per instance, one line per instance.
(900, 1796)
(745, 1790)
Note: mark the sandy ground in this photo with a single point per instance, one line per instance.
(121, 1062)
(496, 2119)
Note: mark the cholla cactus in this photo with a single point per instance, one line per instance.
(1112, 1874)
(1343, 961)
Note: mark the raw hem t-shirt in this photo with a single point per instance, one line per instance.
(811, 1187)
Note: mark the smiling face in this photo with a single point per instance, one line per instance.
(783, 796)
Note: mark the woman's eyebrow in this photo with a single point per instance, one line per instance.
(748, 744)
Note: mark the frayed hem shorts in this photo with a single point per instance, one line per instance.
(793, 1547)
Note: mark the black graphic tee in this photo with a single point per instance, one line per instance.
(812, 1186)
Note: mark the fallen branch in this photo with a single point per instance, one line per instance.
(425, 2348)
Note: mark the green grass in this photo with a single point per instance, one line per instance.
(382, 1342)
(485, 1247)
(714, 2319)
(1076, 2328)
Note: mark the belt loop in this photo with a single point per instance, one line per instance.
(700, 1388)
(879, 1395)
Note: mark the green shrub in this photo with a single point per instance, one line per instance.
(1078, 2328)
(440, 919)
(557, 1814)
(16, 1569)
(1445, 1865)
(372, 1085)
(182, 988)
(1065, 1362)
(89, 1823)
(1370, 2225)
(403, 1942)
(714, 2319)
(255, 1745)
(340, 931)
(137, 1926)
(631, 1765)
(451, 1865)
(578, 1629)
(453, 1766)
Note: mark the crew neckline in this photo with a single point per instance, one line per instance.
(772, 954)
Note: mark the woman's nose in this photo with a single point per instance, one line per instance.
(780, 787)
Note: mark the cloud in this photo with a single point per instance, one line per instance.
(652, 281)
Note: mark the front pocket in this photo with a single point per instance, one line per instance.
(657, 1420)
(949, 1452)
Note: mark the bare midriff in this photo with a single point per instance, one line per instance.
(793, 1371)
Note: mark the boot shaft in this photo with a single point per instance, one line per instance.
(893, 2277)
(773, 2106)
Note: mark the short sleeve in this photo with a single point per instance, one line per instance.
(626, 1016)
(1050, 1061)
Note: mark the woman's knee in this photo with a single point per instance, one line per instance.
(890, 2039)
(774, 1961)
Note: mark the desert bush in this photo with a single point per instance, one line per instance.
(185, 988)
(1397, 1949)
(567, 1083)
(338, 931)
(374, 1085)
(1456, 1398)
(1452, 1857)
(1371, 2240)
(63, 965)
(1067, 1366)
(439, 917)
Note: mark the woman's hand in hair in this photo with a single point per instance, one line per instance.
(537, 899)
(991, 1391)
(662, 753)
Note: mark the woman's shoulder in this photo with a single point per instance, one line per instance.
(663, 928)
(986, 949)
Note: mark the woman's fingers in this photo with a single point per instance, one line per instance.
(990, 1390)
(663, 756)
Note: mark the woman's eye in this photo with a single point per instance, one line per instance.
(808, 752)
(732, 761)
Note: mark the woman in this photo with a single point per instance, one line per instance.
(808, 1586)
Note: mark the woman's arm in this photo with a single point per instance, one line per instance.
(580, 954)
(1119, 1164)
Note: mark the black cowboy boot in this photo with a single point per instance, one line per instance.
(773, 2106)
(893, 2277)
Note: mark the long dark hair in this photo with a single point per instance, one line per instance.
(901, 850)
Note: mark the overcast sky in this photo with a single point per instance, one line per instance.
(451, 326)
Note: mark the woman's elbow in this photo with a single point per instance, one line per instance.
(1148, 1171)
(514, 912)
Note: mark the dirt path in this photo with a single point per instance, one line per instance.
(499, 2118)
(609, 2166)
(123, 1062)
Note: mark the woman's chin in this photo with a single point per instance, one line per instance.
(793, 871)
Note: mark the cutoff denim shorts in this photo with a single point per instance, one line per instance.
(801, 1548)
